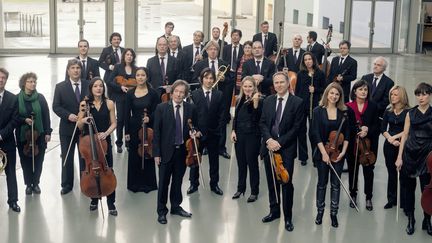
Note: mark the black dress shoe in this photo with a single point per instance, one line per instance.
(65, 190)
(354, 198)
(369, 205)
(225, 155)
(318, 219)
(28, 190)
(289, 225)
(36, 189)
(237, 195)
(426, 225)
(303, 162)
(388, 205)
(93, 206)
(181, 212)
(14, 206)
(205, 151)
(162, 219)
(270, 217)
(192, 189)
(113, 212)
(411, 224)
(334, 221)
(216, 189)
(252, 198)
(119, 149)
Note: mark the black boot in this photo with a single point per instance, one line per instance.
(411, 223)
(320, 195)
(318, 219)
(426, 225)
(334, 220)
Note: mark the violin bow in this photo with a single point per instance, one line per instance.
(143, 148)
(397, 196)
(232, 155)
(70, 144)
(355, 163)
(273, 168)
(33, 142)
(197, 154)
(343, 186)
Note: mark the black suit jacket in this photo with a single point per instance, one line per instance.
(119, 70)
(227, 55)
(291, 64)
(271, 45)
(210, 119)
(349, 68)
(164, 128)
(289, 125)
(381, 93)
(200, 65)
(318, 51)
(155, 75)
(187, 61)
(106, 59)
(268, 68)
(8, 121)
(91, 71)
(64, 104)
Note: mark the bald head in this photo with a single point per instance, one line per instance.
(297, 41)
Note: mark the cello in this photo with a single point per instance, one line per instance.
(325, 66)
(426, 198)
(97, 180)
(145, 135)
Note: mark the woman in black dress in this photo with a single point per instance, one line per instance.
(125, 70)
(414, 148)
(363, 123)
(103, 113)
(142, 97)
(310, 84)
(327, 117)
(391, 128)
(30, 101)
(247, 137)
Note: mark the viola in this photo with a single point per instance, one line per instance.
(97, 180)
(365, 155)
(31, 148)
(193, 156)
(426, 198)
(145, 135)
(167, 95)
(282, 174)
(335, 141)
(122, 81)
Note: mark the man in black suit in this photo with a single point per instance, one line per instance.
(260, 68)
(280, 121)
(379, 84)
(215, 37)
(294, 56)
(210, 108)
(162, 67)
(110, 56)
(191, 54)
(226, 85)
(169, 27)
(8, 123)
(233, 52)
(174, 51)
(170, 132)
(316, 48)
(90, 66)
(343, 69)
(67, 97)
(268, 39)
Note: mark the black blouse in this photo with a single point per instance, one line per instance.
(119, 70)
(322, 125)
(246, 118)
(134, 109)
(369, 119)
(394, 122)
(302, 87)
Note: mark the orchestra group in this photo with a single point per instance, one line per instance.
(176, 109)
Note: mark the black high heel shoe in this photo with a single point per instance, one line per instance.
(334, 220)
(318, 219)
(252, 198)
(426, 225)
(411, 223)
(237, 195)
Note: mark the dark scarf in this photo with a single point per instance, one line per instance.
(34, 99)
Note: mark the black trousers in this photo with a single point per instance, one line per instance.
(109, 159)
(287, 189)
(410, 184)
(211, 143)
(323, 175)
(67, 171)
(173, 171)
(302, 139)
(227, 88)
(390, 155)
(30, 177)
(11, 180)
(120, 108)
(247, 151)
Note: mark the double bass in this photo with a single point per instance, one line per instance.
(224, 34)
(426, 198)
(98, 179)
(325, 66)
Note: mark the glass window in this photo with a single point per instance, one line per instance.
(246, 18)
(25, 25)
(119, 18)
(187, 17)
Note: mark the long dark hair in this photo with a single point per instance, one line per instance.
(314, 61)
(92, 82)
(124, 55)
(146, 71)
(357, 85)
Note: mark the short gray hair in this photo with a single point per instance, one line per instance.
(385, 62)
(180, 82)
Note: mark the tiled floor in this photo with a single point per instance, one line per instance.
(50, 217)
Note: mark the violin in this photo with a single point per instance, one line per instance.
(167, 95)
(282, 175)
(426, 198)
(31, 149)
(335, 140)
(365, 155)
(122, 81)
(145, 135)
(97, 180)
(193, 156)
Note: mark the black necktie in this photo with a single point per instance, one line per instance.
(258, 69)
(162, 63)
(179, 133)
(116, 56)
(234, 59)
(213, 68)
(295, 57)
(275, 127)
(196, 53)
(77, 92)
(173, 53)
(341, 61)
(309, 48)
(374, 84)
(265, 41)
(83, 71)
(207, 96)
